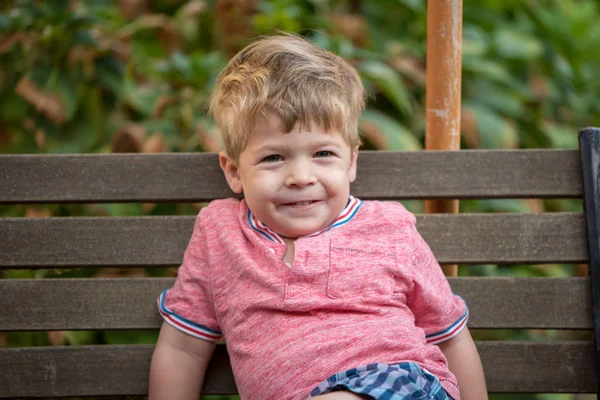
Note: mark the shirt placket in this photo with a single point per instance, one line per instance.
(307, 278)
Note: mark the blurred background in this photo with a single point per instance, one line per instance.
(135, 76)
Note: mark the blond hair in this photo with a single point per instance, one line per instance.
(290, 77)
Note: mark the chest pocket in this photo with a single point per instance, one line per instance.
(357, 270)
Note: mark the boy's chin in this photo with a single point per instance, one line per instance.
(296, 233)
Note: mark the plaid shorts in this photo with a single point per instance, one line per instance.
(404, 381)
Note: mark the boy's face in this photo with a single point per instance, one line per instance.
(296, 183)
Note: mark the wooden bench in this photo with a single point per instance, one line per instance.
(540, 366)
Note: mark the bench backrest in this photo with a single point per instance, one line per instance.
(543, 366)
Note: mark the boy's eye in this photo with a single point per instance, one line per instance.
(323, 153)
(272, 158)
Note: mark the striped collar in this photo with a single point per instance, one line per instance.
(345, 216)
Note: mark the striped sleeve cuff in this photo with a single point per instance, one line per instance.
(451, 331)
(184, 325)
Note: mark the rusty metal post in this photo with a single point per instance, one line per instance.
(444, 67)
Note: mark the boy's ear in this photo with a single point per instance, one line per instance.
(353, 162)
(231, 171)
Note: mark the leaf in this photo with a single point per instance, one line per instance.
(507, 206)
(95, 113)
(551, 23)
(37, 212)
(389, 83)
(483, 270)
(122, 209)
(47, 103)
(415, 5)
(351, 26)
(58, 338)
(475, 41)
(468, 127)
(208, 136)
(494, 132)
(66, 90)
(204, 67)
(85, 38)
(141, 98)
(130, 337)
(386, 133)
(129, 139)
(560, 136)
(25, 339)
(81, 337)
(513, 44)
(110, 75)
(19, 274)
(13, 108)
(155, 144)
(76, 137)
(5, 23)
(180, 62)
(414, 206)
(187, 18)
(492, 70)
(505, 101)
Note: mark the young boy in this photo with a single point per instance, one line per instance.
(317, 293)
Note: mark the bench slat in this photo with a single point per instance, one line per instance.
(549, 367)
(191, 177)
(130, 303)
(161, 241)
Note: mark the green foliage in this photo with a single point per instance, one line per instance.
(75, 74)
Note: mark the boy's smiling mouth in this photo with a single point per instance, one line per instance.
(304, 203)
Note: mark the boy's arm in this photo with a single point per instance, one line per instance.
(463, 361)
(178, 365)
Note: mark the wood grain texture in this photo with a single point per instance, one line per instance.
(160, 241)
(130, 303)
(530, 367)
(188, 177)
(93, 371)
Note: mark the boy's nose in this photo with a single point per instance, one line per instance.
(300, 175)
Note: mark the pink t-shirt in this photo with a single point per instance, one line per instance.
(368, 289)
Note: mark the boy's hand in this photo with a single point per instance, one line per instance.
(178, 365)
